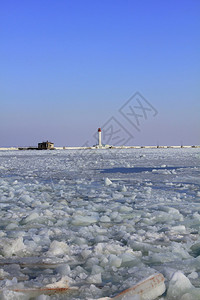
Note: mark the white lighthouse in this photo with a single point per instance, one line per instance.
(99, 131)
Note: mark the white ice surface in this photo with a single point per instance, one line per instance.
(106, 219)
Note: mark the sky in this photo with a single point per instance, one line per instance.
(130, 67)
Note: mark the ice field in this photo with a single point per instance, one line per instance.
(100, 220)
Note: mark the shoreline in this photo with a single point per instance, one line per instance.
(95, 148)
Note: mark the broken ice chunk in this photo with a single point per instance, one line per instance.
(58, 248)
(115, 261)
(31, 218)
(148, 289)
(107, 181)
(96, 278)
(13, 247)
(83, 220)
(178, 286)
(105, 219)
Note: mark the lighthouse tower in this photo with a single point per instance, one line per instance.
(99, 131)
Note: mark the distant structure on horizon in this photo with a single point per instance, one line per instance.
(45, 145)
(99, 131)
(99, 145)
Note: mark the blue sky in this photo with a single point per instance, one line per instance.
(67, 67)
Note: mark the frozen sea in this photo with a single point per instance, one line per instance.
(100, 219)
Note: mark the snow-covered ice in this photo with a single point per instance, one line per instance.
(102, 219)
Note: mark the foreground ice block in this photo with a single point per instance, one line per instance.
(59, 287)
(178, 286)
(148, 289)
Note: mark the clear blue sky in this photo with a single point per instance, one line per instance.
(66, 67)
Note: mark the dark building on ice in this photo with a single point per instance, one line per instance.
(45, 145)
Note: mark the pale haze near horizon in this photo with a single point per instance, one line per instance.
(68, 66)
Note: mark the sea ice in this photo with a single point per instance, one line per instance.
(100, 222)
